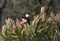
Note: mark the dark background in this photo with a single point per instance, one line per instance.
(18, 7)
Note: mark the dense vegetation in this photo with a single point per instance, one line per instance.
(44, 27)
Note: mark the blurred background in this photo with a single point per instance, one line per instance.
(17, 7)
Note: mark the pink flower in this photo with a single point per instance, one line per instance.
(24, 21)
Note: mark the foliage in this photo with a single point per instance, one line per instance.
(42, 28)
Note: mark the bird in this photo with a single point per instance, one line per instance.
(28, 17)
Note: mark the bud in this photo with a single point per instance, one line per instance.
(3, 28)
(42, 9)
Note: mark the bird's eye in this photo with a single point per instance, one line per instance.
(27, 15)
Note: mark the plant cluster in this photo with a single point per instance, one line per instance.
(42, 28)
